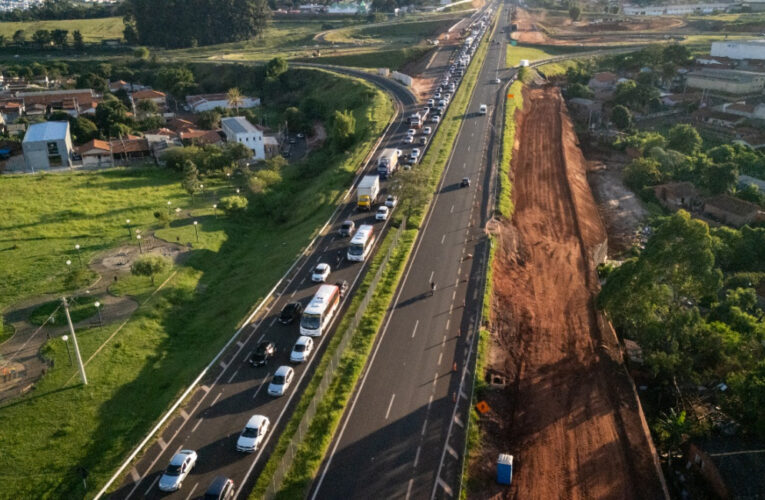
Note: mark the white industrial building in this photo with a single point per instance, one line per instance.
(238, 129)
(746, 49)
(675, 10)
(46, 145)
(727, 81)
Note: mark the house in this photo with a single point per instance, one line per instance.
(123, 85)
(749, 137)
(162, 142)
(11, 110)
(96, 153)
(130, 148)
(270, 146)
(238, 129)
(677, 195)
(745, 180)
(717, 118)
(201, 137)
(603, 81)
(207, 102)
(730, 467)
(157, 97)
(673, 100)
(47, 144)
(177, 125)
(730, 210)
(65, 100)
(728, 81)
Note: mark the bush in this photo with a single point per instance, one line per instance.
(233, 204)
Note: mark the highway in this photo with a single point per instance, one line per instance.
(210, 421)
(401, 437)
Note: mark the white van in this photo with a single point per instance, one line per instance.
(483, 109)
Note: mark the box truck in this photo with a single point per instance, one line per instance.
(387, 162)
(366, 193)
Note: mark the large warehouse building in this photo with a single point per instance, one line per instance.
(746, 49)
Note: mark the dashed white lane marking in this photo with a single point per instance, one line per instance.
(234, 375)
(390, 405)
(134, 474)
(273, 322)
(260, 386)
(151, 486)
(192, 491)
(452, 210)
(446, 487)
(414, 330)
(184, 415)
(440, 358)
(417, 456)
(193, 429)
(447, 324)
(424, 426)
(431, 276)
(409, 489)
(430, 400)
(443, 238)
(216, 399)
(293, 293)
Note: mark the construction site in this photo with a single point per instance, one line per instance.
(561, 399)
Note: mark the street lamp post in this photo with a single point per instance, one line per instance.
(65, 338)
(79, 257)
(130, 233)
(68, 265)
(196, 231)
(168, 207)
(100, 318)
(215, 210)
(140, 248)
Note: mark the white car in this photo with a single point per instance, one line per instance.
(435, 118)
(427, 130)
(281, 381)
(411, 132)
(447, 97)
(302, 349)
(442, 103)
(431, 102)
(321, 272)
(390, 201)
(409, 139)
(399, 153)
(253, 433)
(497, 80)
(437, 95)
(415, 153)
(382, 213)
(177, 470)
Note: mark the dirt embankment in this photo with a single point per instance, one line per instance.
(568, 412)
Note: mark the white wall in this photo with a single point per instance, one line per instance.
(735, 50)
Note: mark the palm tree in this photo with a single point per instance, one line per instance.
(235, 98)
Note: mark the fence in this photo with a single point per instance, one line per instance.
(326, 377)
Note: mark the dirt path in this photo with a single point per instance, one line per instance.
(568, 412)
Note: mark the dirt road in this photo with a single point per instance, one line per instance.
(568, 411)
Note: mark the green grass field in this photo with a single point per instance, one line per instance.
(401, 32)
(393, 58)
(93, 30)
(515, 54)
(62, 425)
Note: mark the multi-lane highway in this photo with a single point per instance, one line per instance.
(397, 438)
(210, 421)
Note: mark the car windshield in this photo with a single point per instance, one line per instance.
(356, 249)
(250, 432)
(311, 321)
(299, 348)
(278, 380)
(173, 470)
(319, 269)
(347, 225)
(261, 349)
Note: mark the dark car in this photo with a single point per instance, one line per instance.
(290, 313)
(222, 488)
(465, 182)
(343, 286)
(263, 353)
(347, 228)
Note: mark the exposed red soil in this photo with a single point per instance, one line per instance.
(569, 412)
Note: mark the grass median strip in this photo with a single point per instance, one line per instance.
(319, 436)
(508, 140)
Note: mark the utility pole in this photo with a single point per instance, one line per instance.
(74, 342)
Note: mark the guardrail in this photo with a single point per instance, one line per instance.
(326, 377)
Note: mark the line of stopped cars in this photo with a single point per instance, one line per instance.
(316, 317)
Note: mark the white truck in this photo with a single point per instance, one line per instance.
(366, 193)
(387, 162)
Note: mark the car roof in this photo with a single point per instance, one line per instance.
(348, 223)
(283, 370)
(322, 265)
(180, 457)
(382, 208)
(256, 421)
(303, 340)
(218, 483)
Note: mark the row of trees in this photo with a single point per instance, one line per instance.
(46, 39)
(177, 23)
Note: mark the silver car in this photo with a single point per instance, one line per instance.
(176, 472)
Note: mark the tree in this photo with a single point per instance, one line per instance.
(147, 107)
(110, 114)
(209, 119)
(59, 38)
(343, 128)
(684, 138)
(672, 429)
(524, 74)
(150, 266)
(275, 68)
(574, 12)
(141, 53)
(176, 79)
(234, 98)
(79, 43)
(751, 193)
(720, 177)
(296, 121)
(642, 172)
(19, 37)
(413, 189)
(577, 90)
(42, 38)
(191, 179)
(233, 204)
(621, 117)
(748, 397)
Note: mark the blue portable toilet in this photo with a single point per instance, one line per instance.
(504, 468)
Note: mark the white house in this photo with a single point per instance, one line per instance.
(238, 129)
(206, 102)
(47, 144)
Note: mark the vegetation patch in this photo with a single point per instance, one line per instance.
(92, 30)
(391, 58)
(505, 202)
(80, 308)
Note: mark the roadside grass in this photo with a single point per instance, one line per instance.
(314, 446)
(80, 308)
(62, 424)
(6, 331)
(557, 68)
(535, 53)
(93, 30)
(505, 202)
(386, 58)
(705, 41)
(399, 32)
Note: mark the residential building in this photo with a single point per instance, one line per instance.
(603, 81)
(727, 81)
(270, 146)
(717, 118)
(731, 467)
(749, 137)
(201, 137)
(238, 129)
(47, 145)
(745, 180)
(743, 49)
(11, 110)
(64, 100)
(207, 102)
(675, 10)
(731, 211)
(157, 97)
(130, 148)
(677, 195)
(96, 153)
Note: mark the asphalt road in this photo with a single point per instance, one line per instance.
(395, 439)
(210, 421)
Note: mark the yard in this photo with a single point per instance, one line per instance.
(135, 374)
